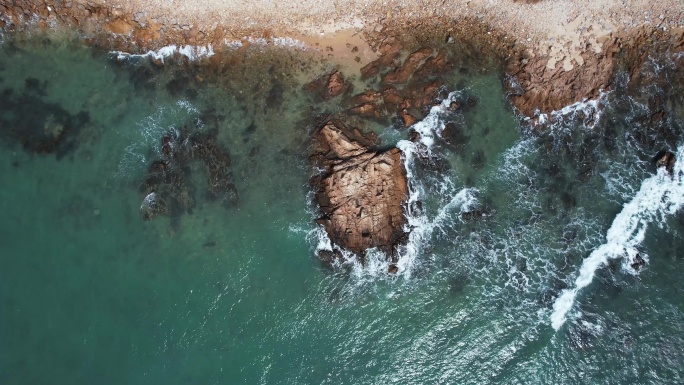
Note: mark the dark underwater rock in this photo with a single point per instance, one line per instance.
(637, 263)
(328, 86)
(36, 125)
(205, 148)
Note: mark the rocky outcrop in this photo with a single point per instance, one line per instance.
(361, 191)
(536, 88)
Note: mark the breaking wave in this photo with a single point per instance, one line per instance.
(197, 52)
(419, 222)
(588, 112)
(659, 195)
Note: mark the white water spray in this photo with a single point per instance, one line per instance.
(588, 111)
(189, 51)
(659, 195)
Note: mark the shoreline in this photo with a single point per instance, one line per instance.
(554, 53)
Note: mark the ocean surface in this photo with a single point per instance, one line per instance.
(521, 268)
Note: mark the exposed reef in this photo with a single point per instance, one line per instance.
(361, 191)
(536, 89)
(406, 88)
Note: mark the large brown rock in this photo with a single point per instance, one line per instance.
(362, 191)
(119, 27)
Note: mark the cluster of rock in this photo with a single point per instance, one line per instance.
(168, 190)
(406, 89)
(361, 190)
(328, 86)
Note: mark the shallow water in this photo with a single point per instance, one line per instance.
(233, 293)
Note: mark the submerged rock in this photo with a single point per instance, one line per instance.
(39, 126)
(328, 86)
(168, 188)
(637, 263)
(153, 206)
(361, 192)
(205, 147)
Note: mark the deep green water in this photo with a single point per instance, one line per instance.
(92, 294)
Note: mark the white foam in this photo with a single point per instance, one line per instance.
(233, 44)
(196, 52)
(659, 195)
(187, 106)
(192, 52)
(430, 127)
(256, 40)
(589, 110)
(663, 62)
(289, 43)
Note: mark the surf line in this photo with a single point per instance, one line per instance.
(659, 195)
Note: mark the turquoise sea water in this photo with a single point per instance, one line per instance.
(233, 294)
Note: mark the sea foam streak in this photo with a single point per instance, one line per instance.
(659, 195)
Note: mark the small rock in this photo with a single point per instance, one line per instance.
(665, 159)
